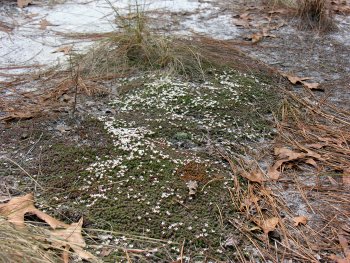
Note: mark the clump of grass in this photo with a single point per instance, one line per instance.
(280, 3)
(137, 46)
(315, 14)
(18, 245)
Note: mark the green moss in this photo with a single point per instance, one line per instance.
(131, 180)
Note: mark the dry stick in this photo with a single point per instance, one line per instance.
(182, 251)
(328, 223)
(318, 111)
(127, 256)
(75, 79)
(221, 218)
(33, 146)
(22, 169)
(241, 257)
(250, 239)
(303, 194)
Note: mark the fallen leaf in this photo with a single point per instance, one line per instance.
(255, 38)
(345, 246)
(312, 86)
(311, 162)
(17, 207)
(23, 3)
(273, 172)
(300, 220)
(242, 20)
(294, 79)
(248, 202)
(256, 176)
(192, 187)
(44, 24)
(64, 49)
(268, 225)
(286, 155)
(289, 154)
(71, 237)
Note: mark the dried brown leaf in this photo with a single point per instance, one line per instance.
(64, 49)
(256, 176)
(17, 207)
(300, 220)
(256, 38)
(273, 171)
(268, 225)
(71, 237)
(44, 24)
(312, 86)
(294, 79)
(23, 3)
(311, 162)
(345, 246)
(287, 155)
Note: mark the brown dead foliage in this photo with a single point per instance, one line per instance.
(312, 160)
(54, 93)
(193, 171)
(61, 236)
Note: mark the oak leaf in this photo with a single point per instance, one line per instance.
(17, 207)
(71, 237)
(285, 155)
(294, 79)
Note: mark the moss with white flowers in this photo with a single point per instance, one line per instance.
(136, 183)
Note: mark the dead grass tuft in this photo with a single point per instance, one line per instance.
(138, 46)
(315, 14)
(24, 245)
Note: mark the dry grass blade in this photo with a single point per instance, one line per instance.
(24, 246)
(316, 14)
